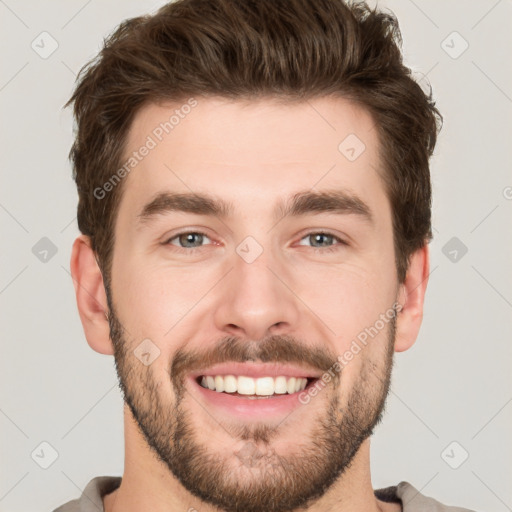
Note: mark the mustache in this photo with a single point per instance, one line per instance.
(273, 349)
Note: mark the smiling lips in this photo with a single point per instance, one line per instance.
(262, 386)
(255, 379)
(252, 391)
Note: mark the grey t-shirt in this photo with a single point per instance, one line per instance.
(404, 493)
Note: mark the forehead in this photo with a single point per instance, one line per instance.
(248, 151)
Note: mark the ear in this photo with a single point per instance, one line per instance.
(90, 294)
(411, 296)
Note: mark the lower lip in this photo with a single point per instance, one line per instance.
(250, 408)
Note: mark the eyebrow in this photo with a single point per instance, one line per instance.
(301, 203)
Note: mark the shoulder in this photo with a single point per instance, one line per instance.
(414, 501)
(91, 499)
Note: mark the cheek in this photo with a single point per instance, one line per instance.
(156, 302)
(347, 298)
(356, 303)
(365, 360)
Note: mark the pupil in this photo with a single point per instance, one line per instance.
(189, 237)
(320, 236)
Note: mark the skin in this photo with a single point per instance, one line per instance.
(252, 154)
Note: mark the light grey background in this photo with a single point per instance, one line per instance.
(453, 385)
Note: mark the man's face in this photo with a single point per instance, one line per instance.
(253, 294)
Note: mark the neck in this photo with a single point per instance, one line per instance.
(147, 484)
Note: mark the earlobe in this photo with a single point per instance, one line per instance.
(90, 295)
(411, 298)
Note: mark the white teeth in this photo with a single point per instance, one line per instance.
(246, 385)
(219, 384)
(290, 385)
(280, 385)
(230, 384)
(264, 386)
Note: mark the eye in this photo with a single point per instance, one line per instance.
(188, 240)
(325, 240)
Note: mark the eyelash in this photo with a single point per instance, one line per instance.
(315, 249)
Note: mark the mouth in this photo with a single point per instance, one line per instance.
(251, 391)
(254, 388)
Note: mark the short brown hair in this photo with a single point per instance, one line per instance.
(294, 50)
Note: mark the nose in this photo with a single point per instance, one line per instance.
(257, 299)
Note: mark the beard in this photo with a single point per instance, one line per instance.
(253, 476)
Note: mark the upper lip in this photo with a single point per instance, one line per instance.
(256, 370)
